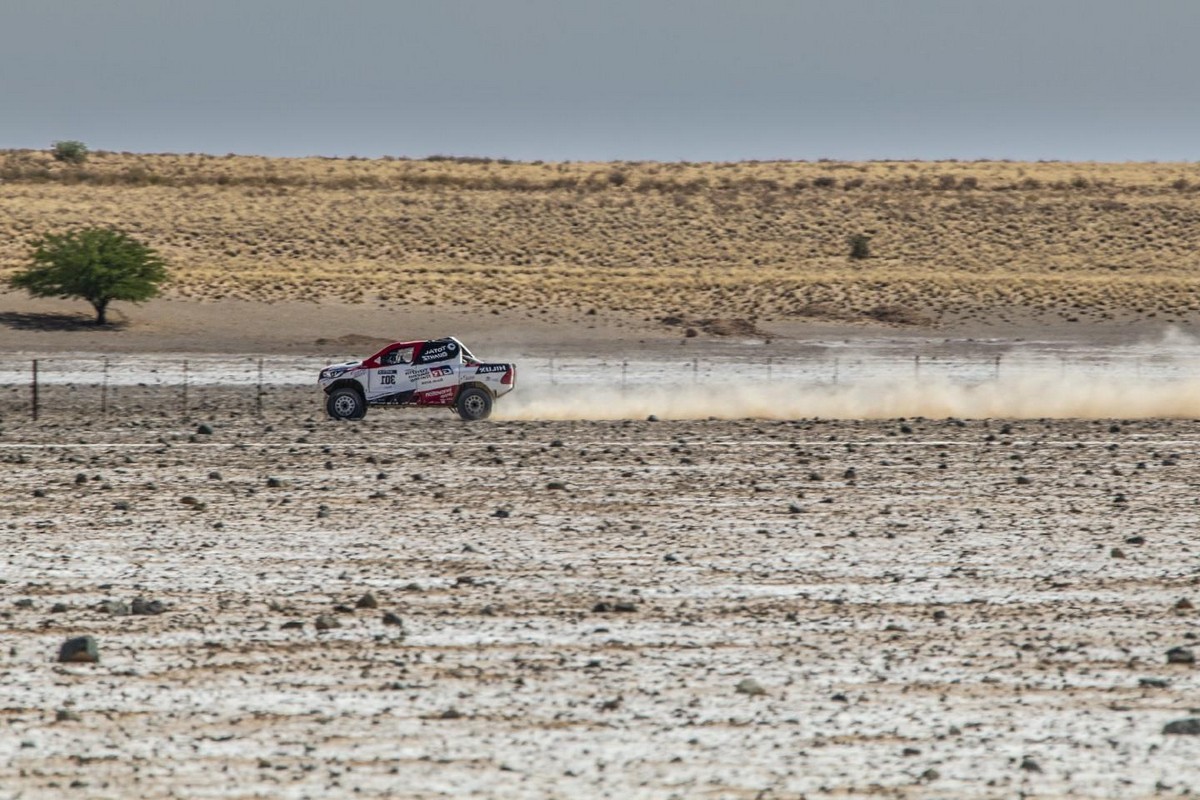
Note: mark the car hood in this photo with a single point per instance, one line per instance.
(333, 370)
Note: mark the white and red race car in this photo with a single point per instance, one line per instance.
(436, 372)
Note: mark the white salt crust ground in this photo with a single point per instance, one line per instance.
(919, 630)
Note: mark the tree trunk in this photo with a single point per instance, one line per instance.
(101, 307)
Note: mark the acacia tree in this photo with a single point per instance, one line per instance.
(95, 264)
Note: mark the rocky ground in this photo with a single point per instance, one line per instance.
(411, 606)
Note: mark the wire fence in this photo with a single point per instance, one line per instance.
(174, 384)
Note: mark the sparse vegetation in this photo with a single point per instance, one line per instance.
(94, 264)
(70, 151)
(860, 246)
(743, 240)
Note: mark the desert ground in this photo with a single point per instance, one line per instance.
(714, 247)
(897, 608)
(759, 521)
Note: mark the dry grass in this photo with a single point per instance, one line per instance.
(758, 241)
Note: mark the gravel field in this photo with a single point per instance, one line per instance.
(716, 609)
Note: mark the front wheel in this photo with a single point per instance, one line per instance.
(346, 403)
(474, 404)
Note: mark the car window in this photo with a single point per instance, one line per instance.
(401, 355)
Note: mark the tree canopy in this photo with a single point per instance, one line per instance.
(95, 264)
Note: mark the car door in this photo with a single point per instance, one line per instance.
(436, 372)
(391, 379)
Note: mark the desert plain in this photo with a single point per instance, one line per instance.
(577, 600)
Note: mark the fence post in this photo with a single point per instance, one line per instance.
(837, 363)
(695, 370)
(917, 367)
(104, 390)
(34, 382)
(259, 394)
(185, 387)
(997, 367)
(624, 373)
(769, 359)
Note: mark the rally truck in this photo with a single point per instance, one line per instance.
(435, 372)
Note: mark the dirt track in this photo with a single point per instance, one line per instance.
(949, 619)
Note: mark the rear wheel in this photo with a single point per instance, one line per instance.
(346, 403)
(474, 404)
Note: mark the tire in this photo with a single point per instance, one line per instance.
(474, 404)
(346, 403)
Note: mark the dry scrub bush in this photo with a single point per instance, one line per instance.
(738, 240)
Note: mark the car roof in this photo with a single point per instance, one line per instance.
(415, 343)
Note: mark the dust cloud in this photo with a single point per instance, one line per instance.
(1011, 397)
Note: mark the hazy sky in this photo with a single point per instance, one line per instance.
(608, 79)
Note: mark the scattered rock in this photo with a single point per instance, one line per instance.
(1154, 683)
(1188, 726)
(367, 601)
(275, 483)
(292, 625)
(502, 513)
(1136, 540)
(214, 476)
(452, 713)
(67, 715)
(204, 429)
(1029, 765)
(1116, 552)
(795, 508)
(557, 485)
(80, 650)
(611, 705)
(652, 418)
(1022, 480)
(142, 607)
(749, 686)
(59, 608)
(118, 608)
(1180, 655)
(327, 622)
(1184, 605)
(390, 618)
